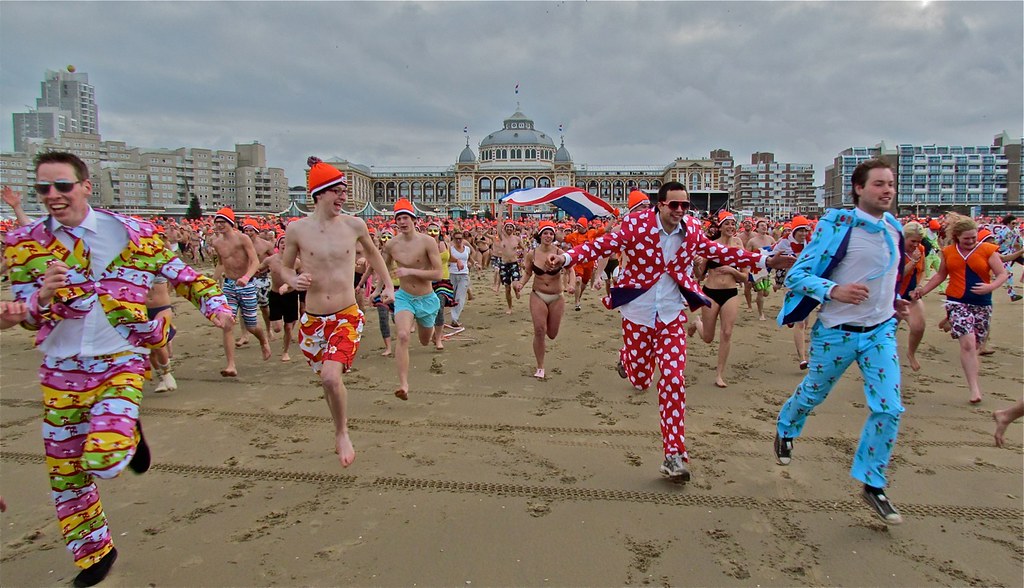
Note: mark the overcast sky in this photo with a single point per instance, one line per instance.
(395, 83)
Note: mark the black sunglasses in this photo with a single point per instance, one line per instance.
(63, 186)
(678, 204)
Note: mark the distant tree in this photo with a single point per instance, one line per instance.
(195, 211)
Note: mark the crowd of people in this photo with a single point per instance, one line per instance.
(98, 287)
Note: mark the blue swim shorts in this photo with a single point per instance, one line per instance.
(424, 307)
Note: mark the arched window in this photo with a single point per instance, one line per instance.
(378, 192)
(485, 188)
(617, 189)
(417, 192)
(606, 189)
(592, 187)
(530, 183)
(392, 192)
(499, 188)
(695, 181)
(403, 190)
(545, 182)
(428, 191)
(581, 185)
(514, 184)
(645, 185)
(442, 190)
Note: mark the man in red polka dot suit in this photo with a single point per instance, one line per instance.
(653, 289)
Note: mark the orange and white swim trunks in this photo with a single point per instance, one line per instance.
(331, 337)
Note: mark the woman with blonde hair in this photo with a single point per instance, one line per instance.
(975, 270)
(913, 271)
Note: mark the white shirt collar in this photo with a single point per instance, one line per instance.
(867, 217)
(661, 229)
(89, 223)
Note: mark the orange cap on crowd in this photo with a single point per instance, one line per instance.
(225, 214)
(724, 215)
(800, 222)
(583, 222)
(546, 225)
(985, 234)
(403, 206)
(637, 198)
(322, 176)
(934, 224)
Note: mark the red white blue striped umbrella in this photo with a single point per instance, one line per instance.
(576, 202)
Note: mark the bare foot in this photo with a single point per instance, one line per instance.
(495, 288)
(241, 342)
(913, 363)
(509, 311)
(267, 351)
(402, 394)
(761, 318)
(516, 292)
(1003, 420)
(386, 353)
(976, 398)
(439, 346)
(539, 374)
(720, 382)
(229, 373)
(346, 453)
(285, 357)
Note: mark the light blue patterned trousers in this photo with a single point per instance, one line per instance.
(831, 352)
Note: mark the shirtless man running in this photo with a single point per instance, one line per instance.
(506, 248)
(238, 263)
(760, 240)
(416, 305)
(332, 323)
(260, 279)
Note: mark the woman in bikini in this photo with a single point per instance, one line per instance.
(975, 270)
(721, 285)
(546, 303)
(913, 270)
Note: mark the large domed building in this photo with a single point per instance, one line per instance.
(518, 155)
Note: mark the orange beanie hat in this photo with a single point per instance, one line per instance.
(322, 176)
(636, 198)
(225, 214)
(403, 206)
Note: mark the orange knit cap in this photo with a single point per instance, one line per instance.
(322, 176)
(225, 214)
(800, 222)
(403, 206)
(724, 215)
(546, 225)
(583, 222)
(636, 198)
(985, 234)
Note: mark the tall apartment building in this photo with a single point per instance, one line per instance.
(158, 181)
(67, 104)
(723, 160)
(933, 179)
(777, 190)
(837, 176)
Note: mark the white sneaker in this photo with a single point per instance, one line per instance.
(167, 383)
(675, 468)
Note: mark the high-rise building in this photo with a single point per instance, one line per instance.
(934, 179)
(159, 181)
(67, 104)
(777, 190)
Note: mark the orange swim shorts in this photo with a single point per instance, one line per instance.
(331, 337)
(584, 271)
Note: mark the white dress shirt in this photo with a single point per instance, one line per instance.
(663, 302)
(92, 335)
(867, 257)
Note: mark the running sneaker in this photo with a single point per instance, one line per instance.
(675, 468)
(621, 369)
(1015, 297)
(878, 501)
(783, 449)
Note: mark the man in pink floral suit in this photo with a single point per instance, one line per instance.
(654, 287)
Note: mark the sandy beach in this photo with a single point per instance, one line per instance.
(489, 477)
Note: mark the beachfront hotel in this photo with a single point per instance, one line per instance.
(932, 179)
(518, 155)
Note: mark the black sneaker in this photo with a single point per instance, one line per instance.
(95, 573)
(783, 449)
(621, 369)
(141, 460)
(878, 501)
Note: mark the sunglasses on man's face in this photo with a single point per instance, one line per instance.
(62, 186)
(385, 238)
(433, 232)
(678, 204)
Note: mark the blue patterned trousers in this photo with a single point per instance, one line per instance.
(831, 352)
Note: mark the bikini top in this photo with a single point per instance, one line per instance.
(541, 272)
(712, 264)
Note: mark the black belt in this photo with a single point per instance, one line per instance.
(858, 328)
